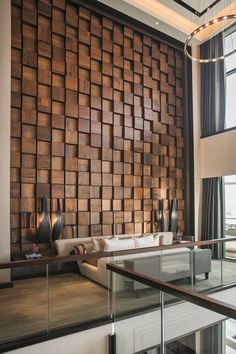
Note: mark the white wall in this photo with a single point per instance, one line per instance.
(214, 156)
(218, 155)
(93, 341)
(5, 96)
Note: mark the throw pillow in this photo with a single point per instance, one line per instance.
(118, 244)
(80, 249)
(98, 242)
(144, 241)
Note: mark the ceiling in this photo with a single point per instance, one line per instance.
(174, 17)
(198, 5)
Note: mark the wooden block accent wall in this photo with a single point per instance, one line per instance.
(97, 121)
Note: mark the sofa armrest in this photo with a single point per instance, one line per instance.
(202, 261)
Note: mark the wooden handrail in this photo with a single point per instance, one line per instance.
(74, 258)
(207, 302)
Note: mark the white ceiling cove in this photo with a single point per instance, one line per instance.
(199, 5)
(173, 18)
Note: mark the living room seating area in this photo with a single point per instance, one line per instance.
(168, 264)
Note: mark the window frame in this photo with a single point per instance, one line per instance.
(226, 245)
(227, 33)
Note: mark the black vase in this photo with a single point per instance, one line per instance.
(44, 226)
(57, 226)
(164, 226)
(174, 216)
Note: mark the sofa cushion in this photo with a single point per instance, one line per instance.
(92, 261)
(145, 241)
(118, 244)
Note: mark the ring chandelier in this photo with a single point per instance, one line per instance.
(201, 28)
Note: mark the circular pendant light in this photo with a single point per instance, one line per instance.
(200, 29)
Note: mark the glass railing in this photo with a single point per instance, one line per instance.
(179, 309)
(24, 307)
(51, 297)
(198, 266)
(181, 327)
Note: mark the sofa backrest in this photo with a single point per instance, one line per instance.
(65, 246)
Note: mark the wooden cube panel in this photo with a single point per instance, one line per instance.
(97, 121)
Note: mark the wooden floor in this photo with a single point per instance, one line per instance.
(72, 299)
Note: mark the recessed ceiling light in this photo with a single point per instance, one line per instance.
(157, 23)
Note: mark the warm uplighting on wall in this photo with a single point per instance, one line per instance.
(47, 230)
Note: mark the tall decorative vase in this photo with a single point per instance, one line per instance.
(174, 216)
(164, 226)
(57, 226)
(44, 226)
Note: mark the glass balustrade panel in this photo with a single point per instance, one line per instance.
(78, 293)
(24, 305)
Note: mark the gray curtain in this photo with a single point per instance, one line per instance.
(212, 87)
(213, 213)
(212, 121)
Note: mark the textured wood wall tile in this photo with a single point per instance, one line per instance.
(58, 21)
(71, 16)
(44, 29)
(44, 71)
(97, 121)
(16, 38)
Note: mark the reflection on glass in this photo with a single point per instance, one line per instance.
(230, 331)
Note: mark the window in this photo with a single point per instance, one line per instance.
(230, 213)
(230, 66)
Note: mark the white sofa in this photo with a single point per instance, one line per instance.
(168, 265)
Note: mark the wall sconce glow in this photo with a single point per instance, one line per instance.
(57, 224)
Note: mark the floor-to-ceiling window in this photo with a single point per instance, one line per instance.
(230, 121)
(230, 67)
(230, 214)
